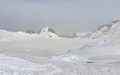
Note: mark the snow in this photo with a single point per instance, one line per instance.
(48, 54)
(98, 49)
(69, 58)
(111, 30)
(48, 34)
(16, 66)
(101, 48)
(44, 56)
(15, 36)
(18, 36)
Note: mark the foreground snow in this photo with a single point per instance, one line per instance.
(16, 66)
(22, 67)
(103, 50)
(96, 58)
(99, 58)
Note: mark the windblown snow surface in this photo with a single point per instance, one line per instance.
(16, 66)
(48, 54)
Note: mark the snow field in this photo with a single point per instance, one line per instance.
(16, 66)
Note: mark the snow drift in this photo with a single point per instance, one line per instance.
(98, 49)
(16, 66)
(17, 36)
(69, 58)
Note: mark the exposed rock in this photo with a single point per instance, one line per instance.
(48, 32)
(30, 31)
(108, 30)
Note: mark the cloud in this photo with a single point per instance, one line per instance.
(79, 15)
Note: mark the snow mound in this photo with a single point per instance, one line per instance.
(69, 58)
(11, 36)
(111, 30)
(16, 66)
(48, 32)
(99, 48)
(91, 50)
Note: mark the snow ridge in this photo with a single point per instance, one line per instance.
(111, 30)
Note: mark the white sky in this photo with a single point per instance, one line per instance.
(62, 15)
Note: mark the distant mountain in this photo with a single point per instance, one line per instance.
(12, 36)
(67, 35)
(74, 35)
(83, 34)
(111, 30)
(48, 32)
(17, 36)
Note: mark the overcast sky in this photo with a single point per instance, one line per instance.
(62, 15)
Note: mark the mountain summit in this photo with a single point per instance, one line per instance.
(48, 32)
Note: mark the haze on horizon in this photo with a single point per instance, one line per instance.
(62, 15)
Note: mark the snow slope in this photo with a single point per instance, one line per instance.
(45, 32)
(74, 56)
(111, 30)
(106, 50)
(69, 57)
(100, 48)
(16, 66)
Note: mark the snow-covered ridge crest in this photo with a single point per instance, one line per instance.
(48, 32)
(111, 30)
